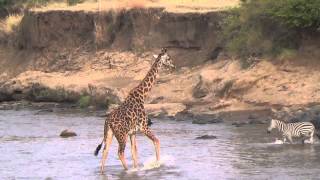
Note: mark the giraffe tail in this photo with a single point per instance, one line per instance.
(96, 152)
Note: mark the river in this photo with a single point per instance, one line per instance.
(30, 148)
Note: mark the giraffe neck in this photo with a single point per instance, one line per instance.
(148, 81)
(141, 91)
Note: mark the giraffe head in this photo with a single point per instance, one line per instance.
(164, 59)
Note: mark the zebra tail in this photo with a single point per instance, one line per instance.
(96, 152)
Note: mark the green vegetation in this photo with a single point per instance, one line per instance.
(268, 27)
(40, 93)
(34, 3)
(84, 101)
(74, 2)
(297, 13)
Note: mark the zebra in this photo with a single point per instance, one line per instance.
(289, 130)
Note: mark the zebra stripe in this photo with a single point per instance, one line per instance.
(300, 129)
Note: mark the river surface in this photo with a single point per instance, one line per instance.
(30, 148)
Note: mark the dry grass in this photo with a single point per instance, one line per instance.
(170, 5)
(10, 23)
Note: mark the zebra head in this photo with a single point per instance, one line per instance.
(272, 125)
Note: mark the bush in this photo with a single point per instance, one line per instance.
(267, 27)
(40, 93)
(297, 13)
(74, 2)
(84, 101)
(4, 3)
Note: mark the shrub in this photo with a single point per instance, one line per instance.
(84, 101)
(74, 2)
(10, 23)
(267, 27)
(4, 3)
(297, 13)
(40, 93)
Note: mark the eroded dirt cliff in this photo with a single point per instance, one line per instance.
(105, 55)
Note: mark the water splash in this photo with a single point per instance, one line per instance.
(278, 141)
(152, 163)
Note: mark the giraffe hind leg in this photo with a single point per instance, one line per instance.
(122, 140)
(134, 150)
(108, 140)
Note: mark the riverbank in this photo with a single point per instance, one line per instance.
(92, 60)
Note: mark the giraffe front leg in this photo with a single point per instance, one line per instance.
(134, 150)
(155, 141)
(106, 149)
(122, 145)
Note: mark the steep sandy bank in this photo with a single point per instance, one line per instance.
(213, 89)
(105, 56)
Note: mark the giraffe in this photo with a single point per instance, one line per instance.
(130, 117)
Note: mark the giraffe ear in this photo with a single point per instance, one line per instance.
(155, 56)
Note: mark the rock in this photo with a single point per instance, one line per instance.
(149, 122)
(101, 114)
(206, 121)
(183, 115)
(257, 121)
(239, 124)
(67, 133)
(157, 100)
(253, 116)
(206, 137)
(44, 111)
(200, 90)
(164, 109)
(5, 96)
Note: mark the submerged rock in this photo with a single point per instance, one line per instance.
(206, 121)
(44, 111)
(257, 121)
(240, 123)
(207, 137)
(67, 133)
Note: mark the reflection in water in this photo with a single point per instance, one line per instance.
(32, 149)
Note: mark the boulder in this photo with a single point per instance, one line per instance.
(239, 124)
(206, 119)
(206, 137)
(183, 115)
(67, 133)
(200, 90)
(44, 111)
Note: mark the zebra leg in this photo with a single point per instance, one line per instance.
(290, 139)
(311, 137)
(284, 138)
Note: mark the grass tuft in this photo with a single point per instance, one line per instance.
(9, 24)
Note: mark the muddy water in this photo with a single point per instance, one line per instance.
(30, 148)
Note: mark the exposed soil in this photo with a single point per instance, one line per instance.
(105, 55)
